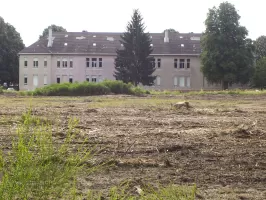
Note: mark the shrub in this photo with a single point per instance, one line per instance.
(1, 90)
(87, 88)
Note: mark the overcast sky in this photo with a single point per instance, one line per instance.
(30, 17)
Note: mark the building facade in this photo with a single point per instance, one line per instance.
(88, 56)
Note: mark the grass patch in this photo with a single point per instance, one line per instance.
(203, 92)
(127, 191)
(86, 89)
(39, 168)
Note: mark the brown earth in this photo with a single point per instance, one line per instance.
(219, 144)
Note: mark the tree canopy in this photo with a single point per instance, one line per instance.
(10, 45)
(55, 28)
(133, 62)
(171, 30)
(227, 55)
(259, 78)
(260, 47)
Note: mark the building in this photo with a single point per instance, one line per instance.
(81, 56)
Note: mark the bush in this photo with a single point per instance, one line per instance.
(87, 88)
(1, 90)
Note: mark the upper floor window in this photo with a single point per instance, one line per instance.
(188, 63)
(94, 62)
(87, 62)
(159, 63)
(71, 63)
(35, 63)
(64, 63)
(45, 62)
(100, 62)
(58, 62)
(182, 63)
(175, 63)
(25, 62)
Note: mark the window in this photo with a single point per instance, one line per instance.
(188, 63)
(58, 79)
(181, 81)
(100, 62)
(87, 62)
(188, 81)
(153, 62)
(45, 62)
(35, 80)
(175, 63)
(93, 79)
(25, 80)
(58, 62)
(94, 62)
(64, 63)
(45, 79)
(175, 81)
(25, 62)
(158, 80)
(88, 78)
(70, 79)
(159, 63)
(35, 63)
(182, 63)
(99, 78)
(71, 63)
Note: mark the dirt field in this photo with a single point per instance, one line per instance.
(219, 144)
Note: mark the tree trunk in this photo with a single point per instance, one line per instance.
(225, 85)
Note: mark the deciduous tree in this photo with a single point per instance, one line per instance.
(260, 47)
(227, 55)
(10, 45)
(259, 78)
(55, 28)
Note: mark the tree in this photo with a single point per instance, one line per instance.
(227, 55)
(10, 45)
(55, 28)
(259, 78)
(134, 63)
(171, 30)
(260, 47)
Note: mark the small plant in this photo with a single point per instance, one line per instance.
(1, 90)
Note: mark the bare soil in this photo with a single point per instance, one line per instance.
(219, 144)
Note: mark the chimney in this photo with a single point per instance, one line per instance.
(166, 36)
(50, 40)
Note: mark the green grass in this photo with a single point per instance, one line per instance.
(39, 168)
(147, 192)
(202, 92)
